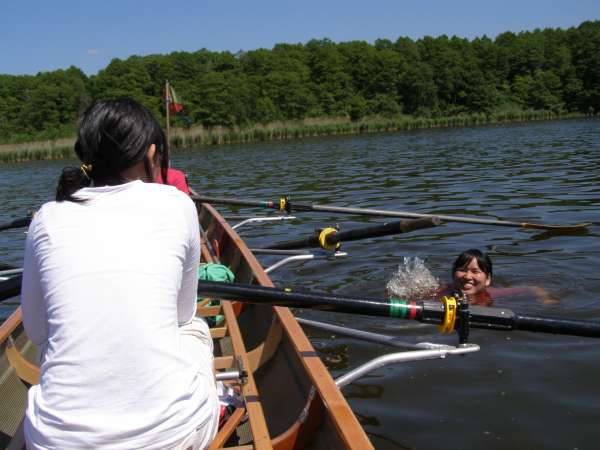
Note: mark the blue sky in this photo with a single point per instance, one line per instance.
(43, 35)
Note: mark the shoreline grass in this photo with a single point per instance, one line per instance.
(311, 127)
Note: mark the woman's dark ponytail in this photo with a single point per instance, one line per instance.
(113, 135)
(71, 180)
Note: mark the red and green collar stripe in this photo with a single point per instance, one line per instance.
(403, 309)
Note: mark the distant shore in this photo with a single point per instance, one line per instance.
(194, 137)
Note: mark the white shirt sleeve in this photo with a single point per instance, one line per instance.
(186, 300)
(32, 300)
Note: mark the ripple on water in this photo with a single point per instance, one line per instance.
(521, 390)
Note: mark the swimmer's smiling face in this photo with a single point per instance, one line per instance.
(470, 279)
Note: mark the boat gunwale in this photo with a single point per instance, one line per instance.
(341, 415)
(8, 327)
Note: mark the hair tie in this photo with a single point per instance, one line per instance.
(86, 169)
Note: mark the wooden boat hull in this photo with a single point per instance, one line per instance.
(291, 399)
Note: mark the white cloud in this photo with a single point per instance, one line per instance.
(93, 51)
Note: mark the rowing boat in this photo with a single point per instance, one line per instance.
(291, 400)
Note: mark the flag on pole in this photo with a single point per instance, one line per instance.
(173, 100)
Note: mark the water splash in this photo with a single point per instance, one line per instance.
(413, 280)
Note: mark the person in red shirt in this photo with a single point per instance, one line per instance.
(175, 178)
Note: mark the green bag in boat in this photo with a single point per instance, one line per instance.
(215, 272)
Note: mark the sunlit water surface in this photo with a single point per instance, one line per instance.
(522, 390)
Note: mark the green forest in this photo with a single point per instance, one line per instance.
(552, 70)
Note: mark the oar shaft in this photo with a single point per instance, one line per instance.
(299, 206)
(309, 241)
(278, 297)
(426, 312)
(401, 226)
(409, 215)
(235, 201)
(498, 318)
(17, 223)
(386, 229)
(558, 326)
(11, 287)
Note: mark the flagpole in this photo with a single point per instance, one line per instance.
(167, 105)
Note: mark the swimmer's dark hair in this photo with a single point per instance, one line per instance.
(483, 261)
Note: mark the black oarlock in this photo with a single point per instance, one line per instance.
(463, 320)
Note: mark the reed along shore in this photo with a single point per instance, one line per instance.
(194, 137)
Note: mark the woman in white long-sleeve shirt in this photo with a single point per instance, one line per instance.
(109, 295)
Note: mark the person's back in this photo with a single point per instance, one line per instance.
(109, 298)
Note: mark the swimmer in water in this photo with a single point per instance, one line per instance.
(472, 277)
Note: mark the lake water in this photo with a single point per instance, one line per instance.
(522, 390)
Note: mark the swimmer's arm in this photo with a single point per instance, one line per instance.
(538, 292)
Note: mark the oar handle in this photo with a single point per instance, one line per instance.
(17, 223)
(11, 287)
(235, 201)
(281, 297)
(397, 227)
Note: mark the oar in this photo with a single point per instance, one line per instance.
(329, 238)
(11, 287)
(285, 204)
(427, 312)
(17, 223)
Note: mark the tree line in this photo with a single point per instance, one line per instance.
(551, 69)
